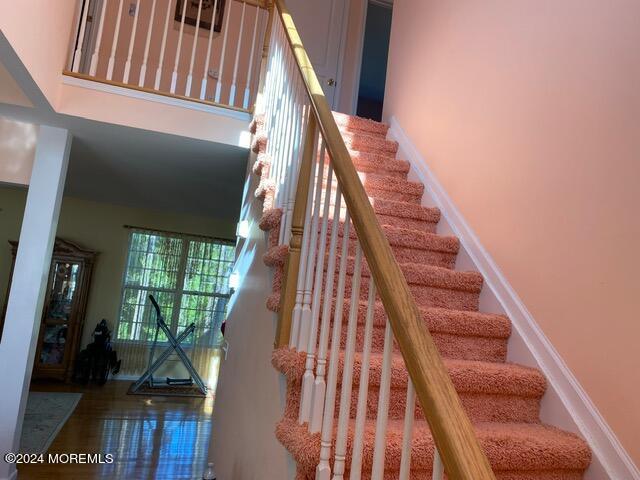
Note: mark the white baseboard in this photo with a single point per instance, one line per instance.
(566, 402)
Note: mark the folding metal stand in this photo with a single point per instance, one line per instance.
(174, 346)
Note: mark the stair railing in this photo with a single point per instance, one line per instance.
(338, 248)
(206, 51)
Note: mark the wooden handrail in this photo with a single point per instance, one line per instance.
(453, 433)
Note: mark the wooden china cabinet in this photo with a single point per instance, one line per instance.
(64, 309)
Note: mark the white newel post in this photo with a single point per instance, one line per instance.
(24, 308)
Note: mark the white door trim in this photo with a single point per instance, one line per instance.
(355, 91)
(341, 49)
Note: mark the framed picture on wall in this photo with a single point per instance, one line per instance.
(207, 17)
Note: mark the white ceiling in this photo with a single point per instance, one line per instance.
(144, 169)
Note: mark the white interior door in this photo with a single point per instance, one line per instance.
(320, 23)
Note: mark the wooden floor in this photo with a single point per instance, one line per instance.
(149, 437)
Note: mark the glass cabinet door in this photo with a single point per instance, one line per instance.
(63, 286)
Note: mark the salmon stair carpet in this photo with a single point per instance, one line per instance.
(502, 399)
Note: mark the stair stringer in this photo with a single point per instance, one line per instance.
(565, 404)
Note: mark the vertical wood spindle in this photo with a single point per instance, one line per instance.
(93, 67)
(347, 369)
(232, 93)
(147, 44)
(308, 378)
(156, 84)
(323, 471)
(77, 56)
(132, 40)
(114, 43)
(174, 75)
(205, 74)
(363, 392)
(225, 35)
(187, 90)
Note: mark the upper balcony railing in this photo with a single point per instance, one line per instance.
(202, 50)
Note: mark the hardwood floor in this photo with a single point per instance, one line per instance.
(149, 437)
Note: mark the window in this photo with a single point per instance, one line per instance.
(188, 276)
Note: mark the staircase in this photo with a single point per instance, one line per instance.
(502, 399)
(392, 371)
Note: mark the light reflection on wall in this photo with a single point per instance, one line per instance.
(17, 151)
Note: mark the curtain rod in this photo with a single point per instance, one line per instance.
(169, 232)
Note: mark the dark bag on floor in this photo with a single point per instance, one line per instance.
(98, 359)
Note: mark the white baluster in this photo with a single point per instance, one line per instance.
(205, 75)
(174, 75)
(247, 90)
(272, 74)
(132, 39)
(232, 93)
(309, 378)
(77, 56)
(282, 143)
(438, 468)
(363, 391)
(187, 90)
(323, 471)
(407, 433)
(304, 253)
(278, 65)
(347, 372)
(305, 318)
(294, 153)
(93, 67)
(147, 43)
(222, 54)
(156, 84)
(288, 146)
(377, 472)
(319, 386)
(114, 44)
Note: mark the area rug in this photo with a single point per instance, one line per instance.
(44, 417)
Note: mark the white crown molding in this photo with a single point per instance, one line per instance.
(609, 457)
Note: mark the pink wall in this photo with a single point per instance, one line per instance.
(40, 33)
(528, 115)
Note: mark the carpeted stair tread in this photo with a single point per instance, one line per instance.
(369, 162)
(442, 320)
(359, 124)
(396, 236)
(384, 182)
(410, 238)
(406, 210)
(363, 142)
(438, 277)
(510, 448)
(383, 187)
(467, 376)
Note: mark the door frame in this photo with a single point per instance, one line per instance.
(344, 28)
(360, 48)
